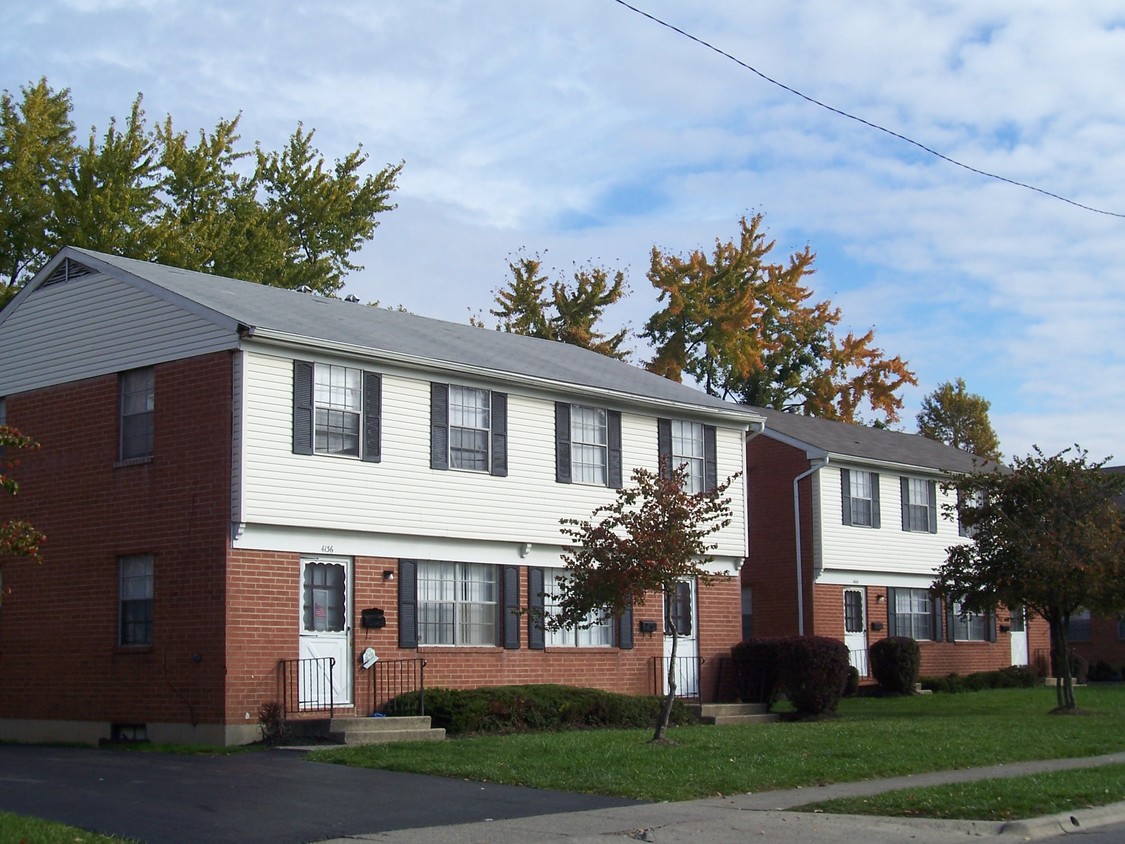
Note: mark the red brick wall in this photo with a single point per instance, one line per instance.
(58, 630)
(263, 629)
(1104, 643)
(771, 568)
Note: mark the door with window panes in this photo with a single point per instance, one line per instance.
(325, 671)
(680, 608)
(855, 629)
(1019, 636)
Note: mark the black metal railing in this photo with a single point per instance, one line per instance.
(398, 687)
(688, 675)
(307, 685)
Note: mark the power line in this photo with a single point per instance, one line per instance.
(861, 120)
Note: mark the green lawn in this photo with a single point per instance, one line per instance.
(994, 800)
(21, 828)
(872, 738)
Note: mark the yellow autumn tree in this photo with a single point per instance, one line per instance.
(745, 328)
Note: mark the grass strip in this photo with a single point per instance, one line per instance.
(1014, 798)
(22, 828)
(872, 738)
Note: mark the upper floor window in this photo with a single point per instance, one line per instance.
(138, 395)
(587, 445)
(468, 429)
(691, 445)
(859, 492)
(337, 410)
(135, 611)
(919, 505)
(596, 631)
(910, 612)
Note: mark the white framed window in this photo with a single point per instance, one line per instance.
(338, 398)
(135, 602)
(589, 445)
(600, 632)
(919, 505)
(469, 428)
(912, 613)
(138, 399)
(859, 498)
(688, 449)
(969, 626)
(457, 603)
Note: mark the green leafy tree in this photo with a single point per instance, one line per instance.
(956, 417)
(36, 153)
(651, 537)
(743, 327)
(17, 537)
(1048, 536)
(566, 312)
(286, 218)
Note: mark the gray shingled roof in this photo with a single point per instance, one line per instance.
(862, 442)
(378, 329)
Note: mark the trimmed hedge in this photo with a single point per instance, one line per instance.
(1013, 677)
(537, 707)
(813, 670)
(894, 664)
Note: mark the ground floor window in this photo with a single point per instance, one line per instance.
(969, 626)
(911, 613)
(1078, 630)
(599, 633)
(457, 603)
(135, 612)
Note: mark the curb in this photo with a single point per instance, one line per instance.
(1067, 823)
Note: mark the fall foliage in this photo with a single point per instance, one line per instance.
(956, 417)
(17, 538)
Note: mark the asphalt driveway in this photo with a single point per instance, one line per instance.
(272, 796)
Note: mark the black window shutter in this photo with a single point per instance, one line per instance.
(875, 519)
(439, 426)
(950, 623)
(302, 407)
(500, 435)
(613, 451)
(372, 417)
(990, 625)
(664, 445)
(562, 442)
(845, 496)
(933, 505)
(710, 459)
(625, 630)
(407, 603)
(892, 624)
(511, 634)
(935, 610)
(536, 640)
(904, 484)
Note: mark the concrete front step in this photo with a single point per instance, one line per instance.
(721, 714)
(383, 730)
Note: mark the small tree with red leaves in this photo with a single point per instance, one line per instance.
(652, 536)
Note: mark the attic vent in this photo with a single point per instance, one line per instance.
(66, 271)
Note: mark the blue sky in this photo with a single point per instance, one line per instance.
(585, 132)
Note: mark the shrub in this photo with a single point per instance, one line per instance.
(1014, 676)
(851, 688)
(894, 664)
(813, 670)
(545, 707)
(1103, 672)
(756, 666)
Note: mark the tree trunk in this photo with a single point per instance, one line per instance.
(1064, 682)
(669, 698)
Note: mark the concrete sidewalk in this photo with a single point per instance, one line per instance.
(763, 817)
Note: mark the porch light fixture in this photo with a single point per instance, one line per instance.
(525, 549)
(389, 574)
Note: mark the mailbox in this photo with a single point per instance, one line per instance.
(373, 619)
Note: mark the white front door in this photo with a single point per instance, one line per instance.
(325, 643)
(855, 629)
(1019, 636)
(680, 609)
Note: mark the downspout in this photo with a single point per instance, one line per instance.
(797, 522)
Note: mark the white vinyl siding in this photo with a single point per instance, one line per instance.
(404, 497)
(841, 551)
(110, 327)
